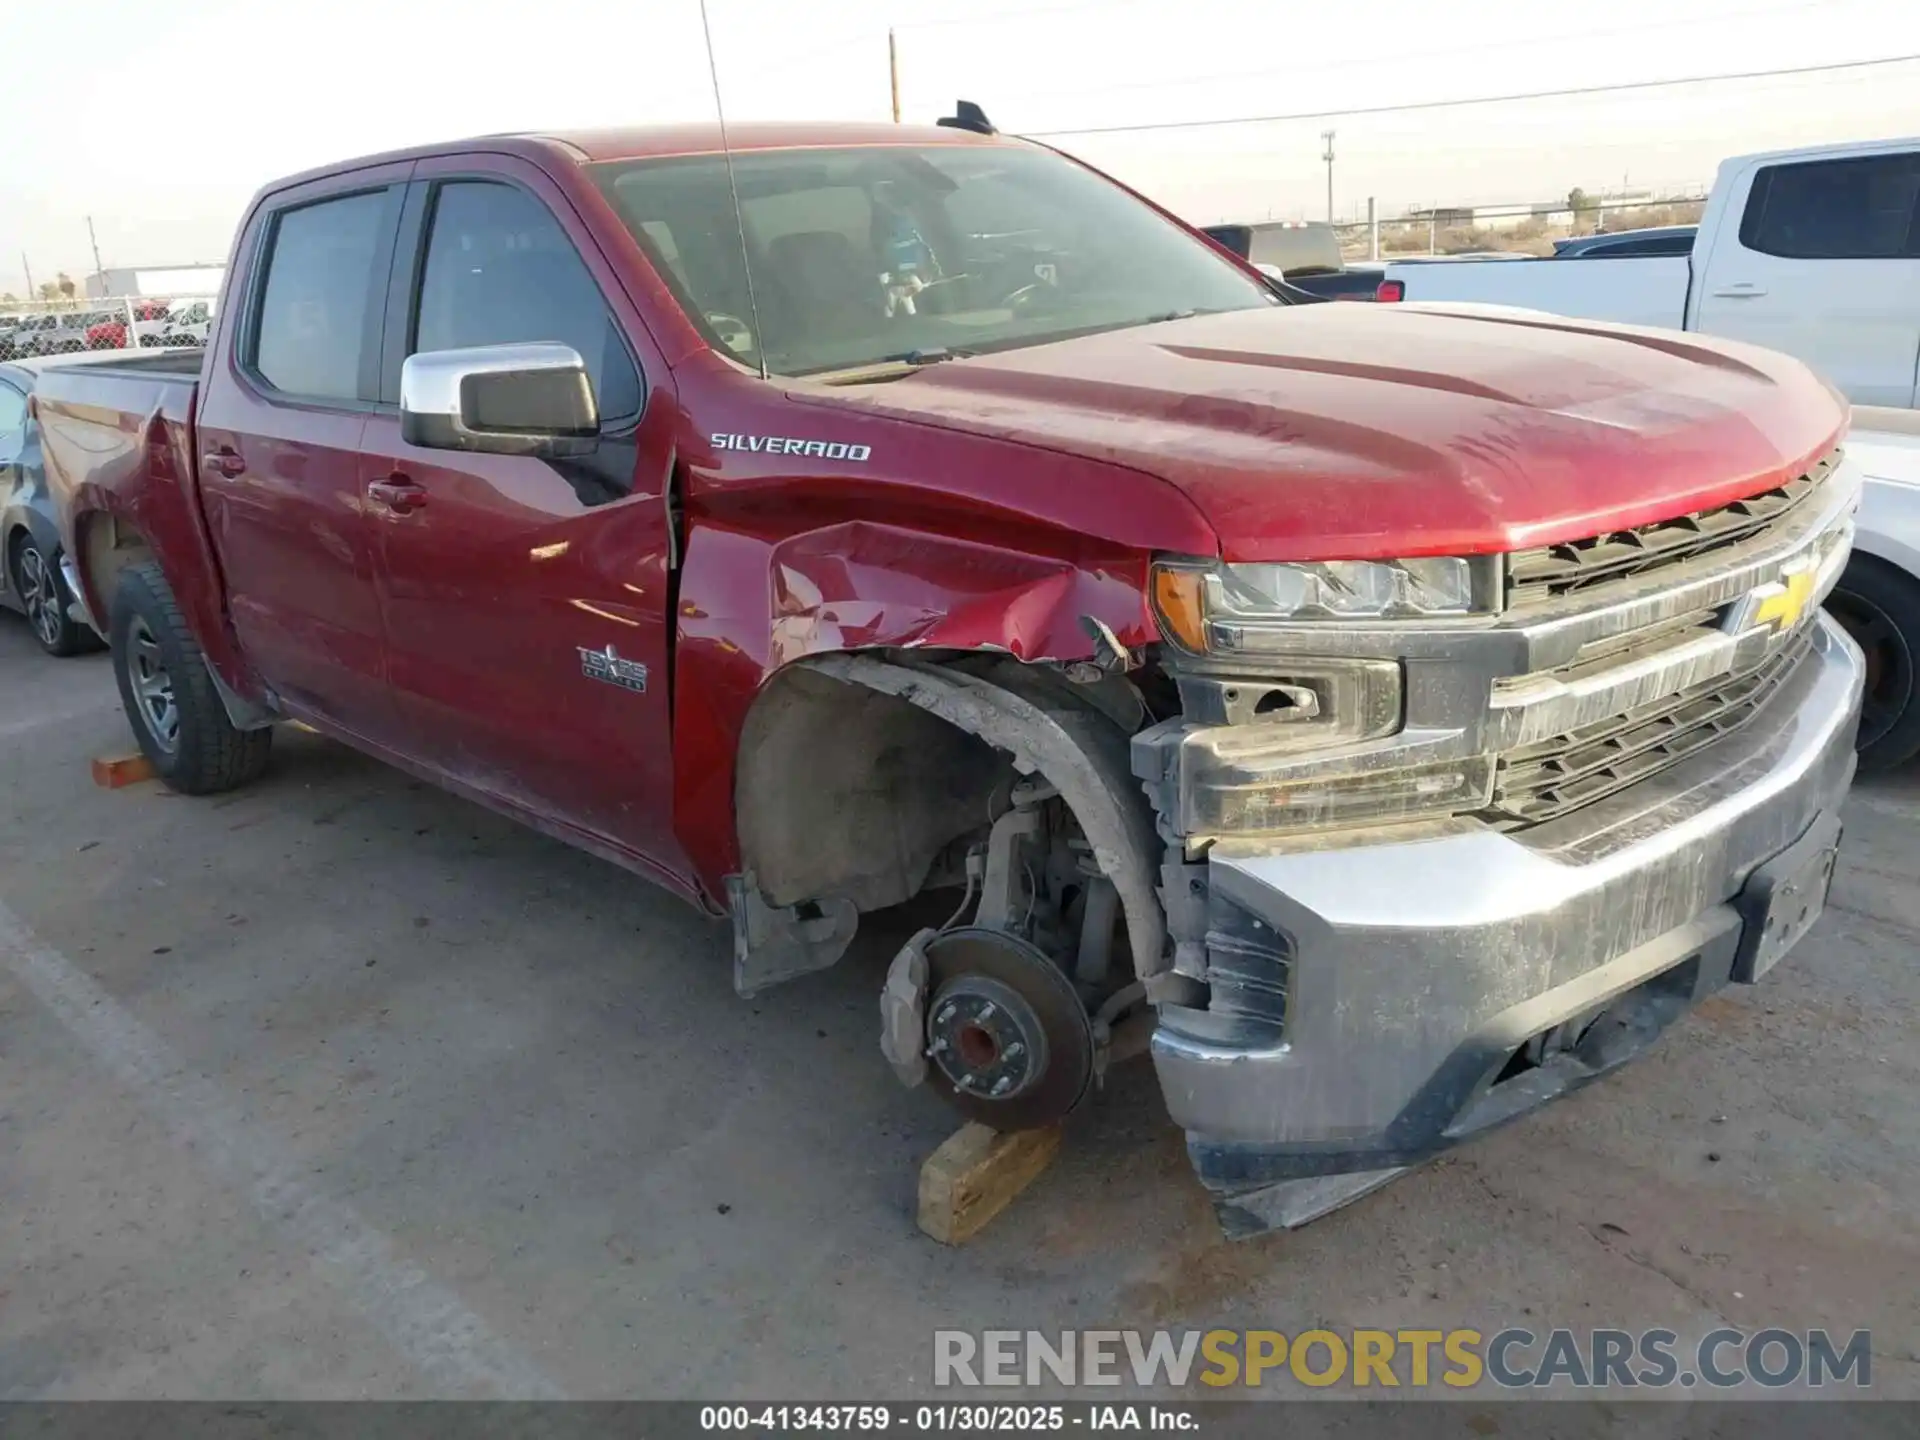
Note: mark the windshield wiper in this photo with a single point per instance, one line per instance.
(926, 355)
(891, 367)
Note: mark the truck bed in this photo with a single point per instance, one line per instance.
(118, 441)
(1632, 290)
(139, 364)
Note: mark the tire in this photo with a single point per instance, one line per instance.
(1879, 606)
(42, 591)
(169, 694)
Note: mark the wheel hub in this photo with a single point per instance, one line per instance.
(39, 596)
(986, 1038)
(1007, 1032)
(152, 686)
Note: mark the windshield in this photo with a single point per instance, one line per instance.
(862, 256)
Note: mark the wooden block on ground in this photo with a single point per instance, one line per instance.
(975, 1174)
(113, 771)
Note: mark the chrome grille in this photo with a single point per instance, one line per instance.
(1549, 572)
(1547, 779)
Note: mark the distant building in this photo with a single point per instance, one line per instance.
(163, 282)
(1443, 215)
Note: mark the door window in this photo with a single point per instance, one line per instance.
(313, 307)
(500, 270)
(1858, 209)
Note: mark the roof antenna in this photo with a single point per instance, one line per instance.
(967, 116)
(739, 215)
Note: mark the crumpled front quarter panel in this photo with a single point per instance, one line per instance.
(941, 540)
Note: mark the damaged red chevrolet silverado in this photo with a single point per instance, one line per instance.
(1405, 715)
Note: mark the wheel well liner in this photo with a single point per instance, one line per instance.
(1078, 749)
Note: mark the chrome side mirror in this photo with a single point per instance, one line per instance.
(524, 399)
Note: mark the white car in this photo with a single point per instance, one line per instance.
(1878, 598)
(1814, 252)
(187, 323)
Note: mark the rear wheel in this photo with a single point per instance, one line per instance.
(43, 595)
(169, 695)
(1879, 607)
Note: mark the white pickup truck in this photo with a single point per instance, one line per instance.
(1815, 252)
(1878, 598)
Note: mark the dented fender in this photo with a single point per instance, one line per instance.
(938, 541)
(752, 604)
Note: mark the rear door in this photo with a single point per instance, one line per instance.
(512, 584)
(279, 431)
(1822, 261)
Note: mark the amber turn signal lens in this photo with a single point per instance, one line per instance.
(1177, 598)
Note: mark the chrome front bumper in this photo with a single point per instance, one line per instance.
(1416, 970)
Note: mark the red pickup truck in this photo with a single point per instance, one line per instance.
(1401, 714)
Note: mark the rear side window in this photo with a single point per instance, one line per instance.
(313, 307)
(500, 271)
(1860, 209)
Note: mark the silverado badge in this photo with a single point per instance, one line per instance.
(607, 666)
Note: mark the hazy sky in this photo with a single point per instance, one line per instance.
(160, 117)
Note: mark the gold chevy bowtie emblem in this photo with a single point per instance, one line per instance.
(1782, 604)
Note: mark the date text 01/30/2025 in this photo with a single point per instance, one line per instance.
(940, 1419)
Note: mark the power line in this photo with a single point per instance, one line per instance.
(1373, 61)
(1028, 13)
(1478, 99)
(866, 35)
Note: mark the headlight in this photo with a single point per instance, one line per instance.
(1190, 596)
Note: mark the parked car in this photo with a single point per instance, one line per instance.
(185, 324)
(64, 332)
(1303, 253)
(1359, 281)
(31, 558)
(1814, 252)
(1878, 598)
(10, 326)
(26, 333)
(149, 319)
(1076, 591)
(1653, 240)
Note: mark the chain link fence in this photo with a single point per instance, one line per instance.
(133, 322)
(1509, 229)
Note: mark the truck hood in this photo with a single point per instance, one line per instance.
(1366, 432)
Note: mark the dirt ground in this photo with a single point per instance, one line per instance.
(342, 1087)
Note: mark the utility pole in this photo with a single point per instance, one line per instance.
(32, 294)
(99, 270)
(1327, 135)
(1373, 229)
(893, 73)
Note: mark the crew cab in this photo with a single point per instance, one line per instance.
(1394, 718)
(1814, 252)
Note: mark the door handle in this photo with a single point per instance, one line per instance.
(225, 461)
(1740, 290)
(397, 493)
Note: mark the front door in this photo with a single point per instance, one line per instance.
(1824, 264)
(279, 434)
(527, 600)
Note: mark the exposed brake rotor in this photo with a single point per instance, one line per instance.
(1009, 1038)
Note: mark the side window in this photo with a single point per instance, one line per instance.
(313, 307)
(1861, 209)
(13, 422)
(500, 270)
